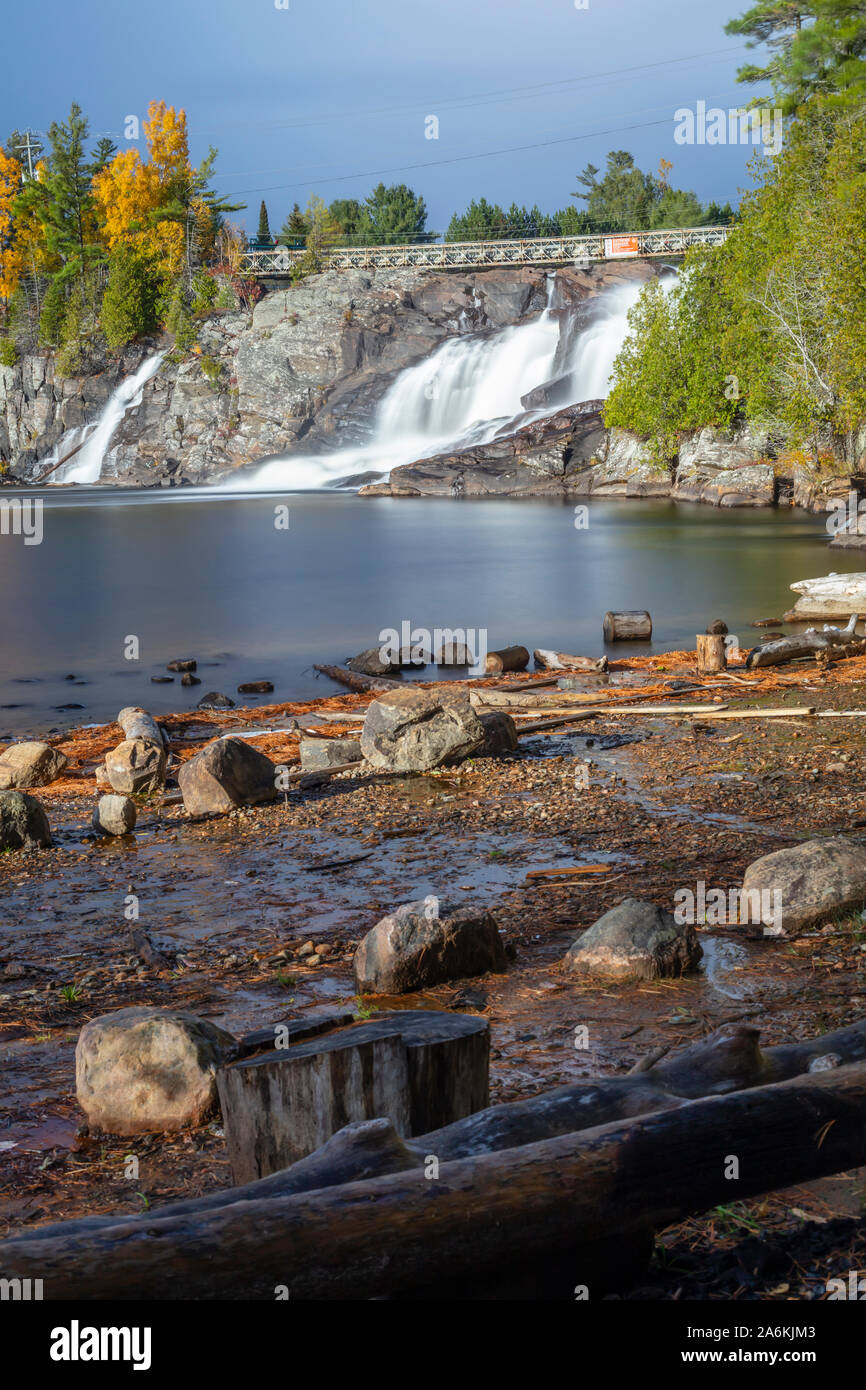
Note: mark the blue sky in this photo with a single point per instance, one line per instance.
(329, 96)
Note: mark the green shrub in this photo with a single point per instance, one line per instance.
(129, 305)
(8, 352)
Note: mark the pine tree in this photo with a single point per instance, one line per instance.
(264, 232)
(818, 48)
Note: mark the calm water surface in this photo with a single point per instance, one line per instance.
(212, 577)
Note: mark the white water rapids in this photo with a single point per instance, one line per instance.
(466, 392)
(86, 465)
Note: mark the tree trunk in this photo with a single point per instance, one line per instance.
(356, 681)
(561, 661)
(362, 1239)
(422, 1069)
(507, 659)
(837, 642)
(630, 626)
(711, 654)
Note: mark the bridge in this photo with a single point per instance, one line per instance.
(463, 255)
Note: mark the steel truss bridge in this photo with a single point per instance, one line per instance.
(463, 255)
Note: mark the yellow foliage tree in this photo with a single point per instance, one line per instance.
(10, 249)
(141, 203)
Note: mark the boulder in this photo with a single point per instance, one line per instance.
(416, 730)
(30, 765)
(226, 774)
(634, 941)
(806, 884)
(424, 943)
(215, 700)
(320, 753)
(370, 663)
(114, 815)
(455, 654)
(136, 767)
(143, 1069)
(830, 596)
(500, 733)
(23, 822)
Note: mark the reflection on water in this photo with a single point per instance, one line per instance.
(212, 577)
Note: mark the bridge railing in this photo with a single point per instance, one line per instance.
(455, 255)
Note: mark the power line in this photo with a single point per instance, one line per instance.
(481, 97)
(455, 159)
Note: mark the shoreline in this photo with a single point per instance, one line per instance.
(232, 900)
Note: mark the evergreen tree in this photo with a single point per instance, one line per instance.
(129, 305)
(264, 232)
(295, 226)
(393, 214)
(818, 49)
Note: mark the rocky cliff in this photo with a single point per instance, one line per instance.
(305, 371)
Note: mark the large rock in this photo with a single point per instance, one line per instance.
(136, 767)
(320, 753)
(145, 1069)
(634, 941)
(830, 596)
(416, 730)
(114, 815)
(30, 765)
(370, 663)
(424, 943)
(226, 774)
(23, 822)
(806, 884)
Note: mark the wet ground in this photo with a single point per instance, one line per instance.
(233, 903)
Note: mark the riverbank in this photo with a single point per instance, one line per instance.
(233, 902)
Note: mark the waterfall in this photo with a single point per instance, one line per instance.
(86, 465)
(468, 391)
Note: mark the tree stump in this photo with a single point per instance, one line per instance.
(422, 1070)
(507, 659)
(711, 653)
(634, 625)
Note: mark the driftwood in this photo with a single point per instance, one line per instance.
(710, 652)
(514, 1182)
(633, 625)
(421, 1068)
(562, 661)
(356, 681)
(839, 642)
(469, 1215)
(506, 659)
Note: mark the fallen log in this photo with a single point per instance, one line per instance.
(839, 641)
(506, 659)
(356, 681)
(562, 661)
(632, 625)
(362, 1239)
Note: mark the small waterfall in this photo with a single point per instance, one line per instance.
(86, 465)
(465, 392)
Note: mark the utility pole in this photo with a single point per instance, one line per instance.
(30, 148)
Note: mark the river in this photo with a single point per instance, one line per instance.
(211, 576)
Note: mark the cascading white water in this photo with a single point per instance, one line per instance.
(467, 391)
(86, 465)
